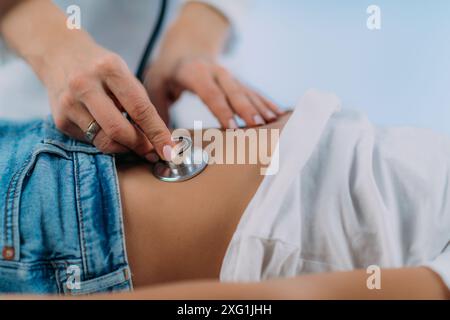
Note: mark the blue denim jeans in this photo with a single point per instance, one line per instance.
(61, 229)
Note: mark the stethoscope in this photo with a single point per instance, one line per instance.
(189, 160)
(152, 40)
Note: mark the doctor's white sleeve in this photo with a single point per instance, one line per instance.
(234, 10)
(441, 265)
(4, 51)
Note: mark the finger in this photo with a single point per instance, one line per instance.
(272, 106)
(106, 145)
(133, 97)
(239, 100)
(114, 124)
(114, 99)
(206, 88)
(157, 92)
(81, 119)
(262, 107)
(213, 97)
(71, 129)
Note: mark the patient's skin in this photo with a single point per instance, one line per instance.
(180, 231)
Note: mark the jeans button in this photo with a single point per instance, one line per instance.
(8, 253)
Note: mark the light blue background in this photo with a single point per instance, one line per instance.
(399, 75)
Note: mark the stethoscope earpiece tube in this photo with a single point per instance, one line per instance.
(140, 73)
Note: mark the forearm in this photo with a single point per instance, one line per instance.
(199, 30)
(405, 283)
(35, 30)
(199, 290)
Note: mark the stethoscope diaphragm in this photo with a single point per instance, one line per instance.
(189, 162)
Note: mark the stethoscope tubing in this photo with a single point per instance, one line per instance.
(151, 43)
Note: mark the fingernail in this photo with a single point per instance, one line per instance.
(152, 157)
(167, 152)
(280, 111)
(270, 114)
(232, 124)
(258, 120)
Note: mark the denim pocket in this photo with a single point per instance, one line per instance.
(13, 202)
(61, 209)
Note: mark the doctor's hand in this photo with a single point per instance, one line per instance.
(89, 87)
(87, 83)
(224, 95)
(187, 62)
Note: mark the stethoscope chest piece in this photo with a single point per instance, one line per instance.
(190, 162)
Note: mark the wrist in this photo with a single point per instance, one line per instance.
(67, 49)
(36, 31)
(199, 30)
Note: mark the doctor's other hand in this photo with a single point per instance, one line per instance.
(87, 82)
(186, 61)
(223, 94)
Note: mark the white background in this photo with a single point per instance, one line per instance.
(399, 75)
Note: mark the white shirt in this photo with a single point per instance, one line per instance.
(121, 26)
(348, 195)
